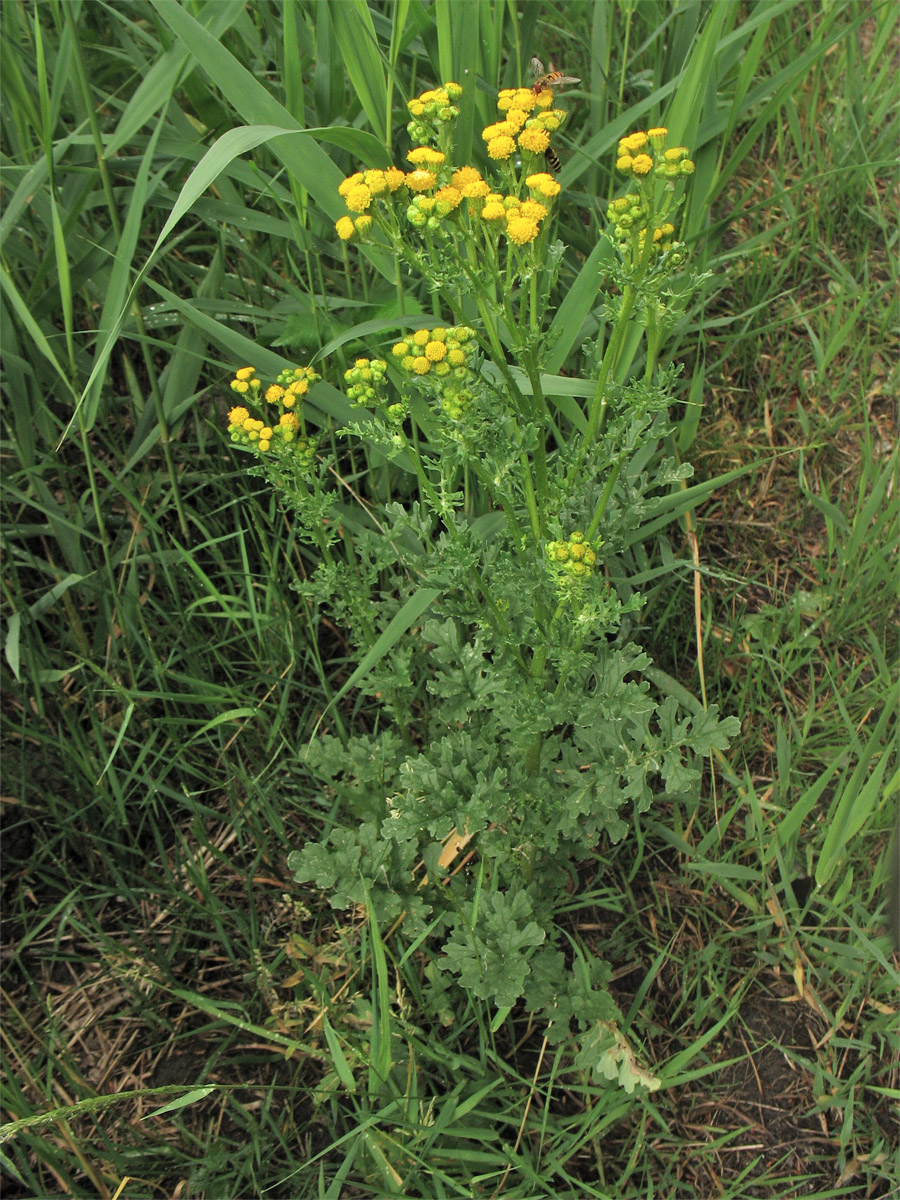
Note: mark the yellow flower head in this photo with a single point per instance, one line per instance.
(533, 209)
(493, 211)
(375, 182)
(358, 198)
(501, 148)
(350, 182)
(420, 180)
(521, 230)
(421, 365)
(274, 393)
(424, 156)
(435, 351)
(244, 373)
(363, 224)
(237, 416)
(448, 198)
(501, 130)
(535, 141)
(289, 421)
(522, 99)
(642, 164)
(400, 350)
(477, 189)
(634, 142)
(545, 185)
(421, 337)
(395, 178)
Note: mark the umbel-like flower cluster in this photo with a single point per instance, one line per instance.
(572, 560)
(283, 433)
(440, 200)
(447, 359)
(646, 159)
(641, 154)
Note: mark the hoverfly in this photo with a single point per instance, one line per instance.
(549, 79)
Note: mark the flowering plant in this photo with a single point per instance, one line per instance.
(487, 593)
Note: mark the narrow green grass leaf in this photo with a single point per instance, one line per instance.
(788, 828)
(857, 800)
(34, 330)
(338, 1058)
(578, 302)
(191, 1097)
(160, 80)
(358, 44)
(380, 1036)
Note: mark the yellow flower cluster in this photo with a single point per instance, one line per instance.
(640, 153)
(531, 134)
(434, 193)
(364, 377)
(448, 352)
(573, 559)
(432, 112)
(281, 433)
(359, 191)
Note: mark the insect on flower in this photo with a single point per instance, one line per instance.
(552, 160)
(549, 79)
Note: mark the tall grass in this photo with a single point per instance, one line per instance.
(162, 678)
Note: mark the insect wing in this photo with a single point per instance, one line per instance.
(537, 67)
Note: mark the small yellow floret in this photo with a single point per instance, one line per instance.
(521, 230)
(450, 197)
(493, 211)
(533, 209)
(421, 365)
(435, 351)
(421, 337)
(274, 393)
(420, 180)
(350, 182)
(501, 148)
(642, 164)
(358, 198)
(345, 228)
(237, 416)
(544, 184)
(535, 141)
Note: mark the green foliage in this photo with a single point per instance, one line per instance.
(173, 636)
(536, 737)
